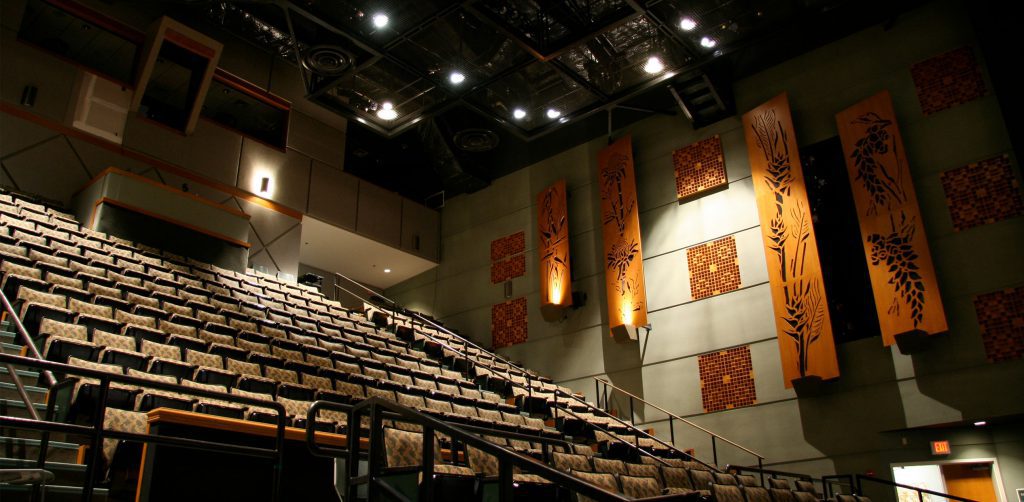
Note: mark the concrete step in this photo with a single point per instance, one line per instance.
(65, 474)
(27, 448)
(54, 493)
(10, 348)
(9, 391)
(12, 407)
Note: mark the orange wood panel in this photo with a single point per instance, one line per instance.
(802, 319)
(624, 270)
(553, 229)
(899, 260)
(972, 481)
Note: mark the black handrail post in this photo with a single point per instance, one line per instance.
(96, 442)
(760, 467)
(427, 485)
(714, 450)
(672, 432)
(505, 479)
(632, 420)
(275, 487)
(374, 451)
(352, 466)
(597, 392)
(920, 496)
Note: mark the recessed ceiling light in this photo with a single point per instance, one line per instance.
(553, 113)
(563, 120)
(654, 65)
(387, 111)
(519, 114)
(980, 423)
(380, 20)
(687, 24)
(387, 271)
(456, 77)
(707, 42)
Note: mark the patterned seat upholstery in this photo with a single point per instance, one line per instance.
(63, 340)
(639, 487)
(609, 465)
(781, 495)
(724, 478)
(122, 421)
(702, 480)
(758, 494)
(645, 470)
(599, 479)
(119, 349)
(676, 477)
(747, 480)
(255, 412)
(780, 483)
(799, 496)
(727, 493)
(570, 462)
(803, 485)
(150, 398)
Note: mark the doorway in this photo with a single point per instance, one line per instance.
(973, 479)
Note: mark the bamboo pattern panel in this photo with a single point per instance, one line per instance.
(553, 229)
(899, 260)
(624, 270)
(802, 320)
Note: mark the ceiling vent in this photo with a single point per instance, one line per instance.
(476, 140)
(327, 60)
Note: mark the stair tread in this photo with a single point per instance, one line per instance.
(21, 373)
(17, 403)
(50, 465)
(28, 388)
(53, 488)
(35, 442)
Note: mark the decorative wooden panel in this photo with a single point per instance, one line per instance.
(982, 192)
(726, 379)
(699, 167)
(624, 270)
(794, 273)
(553, 230)
(1001, 317)
(508, 323)
(947, 80)
(511, 246)
(899, 260)
(714, 268)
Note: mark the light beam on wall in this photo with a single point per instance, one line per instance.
(553, 234)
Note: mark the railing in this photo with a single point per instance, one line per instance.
(25, 339)
(636, 447)
(96, 432)
(856, 481)
(378, 409)
(601, 384)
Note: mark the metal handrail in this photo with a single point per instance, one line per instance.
(27, 340)
(396, 306)
(97, 432)
(920, 491)
(507, 459)
(676, 417)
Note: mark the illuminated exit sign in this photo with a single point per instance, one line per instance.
(940, 448)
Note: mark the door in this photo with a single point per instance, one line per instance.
(970, 480)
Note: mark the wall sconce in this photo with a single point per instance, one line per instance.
(28, 96)
(265, 185)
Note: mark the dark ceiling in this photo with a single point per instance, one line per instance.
(583, 58)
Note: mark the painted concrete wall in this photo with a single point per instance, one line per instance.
(844, 430)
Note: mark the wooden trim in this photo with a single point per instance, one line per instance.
(21, 113)
(163, 186)
(188, 418)
(238, 83)
(107, 23)
(161, 217)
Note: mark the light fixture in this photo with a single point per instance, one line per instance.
(387, 271)
(563, 120)
(980, 423)
(654, 65)
(553, 113)
(519, 114)
(707, 42)
(387, 111)
(380, 20)
(687, 24)
(456, 78)
(265, 185)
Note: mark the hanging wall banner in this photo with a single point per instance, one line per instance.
(899, 261)
(553, 230)
(802, 320)
(624, 269)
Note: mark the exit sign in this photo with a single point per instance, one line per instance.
(940, 448)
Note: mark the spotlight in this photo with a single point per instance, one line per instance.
(519, 114)
(687, 24)
(380, 20)
(980, 423)
(707, 42)
(654, 65)
(553, 113)
(387, 271)
(387, 111)
(456, 78)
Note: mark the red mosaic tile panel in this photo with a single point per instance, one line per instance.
(508, 323)
(982, 192)
(1001, 317)
(714, 268)
(508, 245)
(510, 268)
(699, 167)
(947, 80)
(727, 379)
